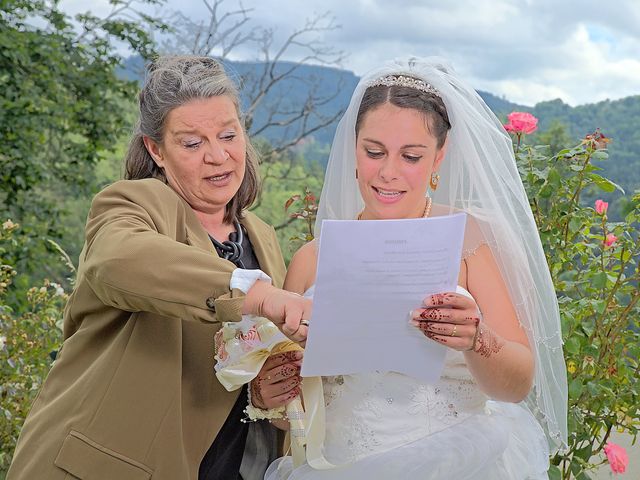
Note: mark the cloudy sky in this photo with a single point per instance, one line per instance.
(525, 50)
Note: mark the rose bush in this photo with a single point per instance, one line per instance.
(595, 266)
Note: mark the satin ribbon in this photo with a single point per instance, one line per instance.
(313, 395)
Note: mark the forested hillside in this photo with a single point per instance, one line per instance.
(619, 119)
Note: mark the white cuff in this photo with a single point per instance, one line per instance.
(243, 279)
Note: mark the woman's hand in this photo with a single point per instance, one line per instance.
(289, 311)
(450, 319)
(278, 382)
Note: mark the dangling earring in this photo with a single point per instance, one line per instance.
(433, 182)
(356, 173)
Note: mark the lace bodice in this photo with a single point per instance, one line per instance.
(374, 412)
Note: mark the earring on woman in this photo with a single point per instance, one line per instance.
(433, 181)
(356, 173)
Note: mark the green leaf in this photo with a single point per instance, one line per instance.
(600, 155)
(572, 345)
(575, 388)
(583, 476)
(554, 473)
(599, 280)
(554, 178)
(585, 452)
(587, 329)
(575, 223)
(604, 183)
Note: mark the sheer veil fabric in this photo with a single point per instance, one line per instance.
(478, 176)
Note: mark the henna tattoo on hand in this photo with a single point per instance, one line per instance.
(437, 299)
(256, 393)
(293, 393)
(286, 386)
(290, 356)
(433, 314)
(474, 341)
(487, 343)
(288, 371)
(433, 328)
(433, 336)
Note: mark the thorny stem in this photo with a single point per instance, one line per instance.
(576, 195)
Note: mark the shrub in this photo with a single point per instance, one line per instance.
(595, 268)
(28, 338)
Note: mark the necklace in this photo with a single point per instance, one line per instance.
(231, 249)
(425, 213)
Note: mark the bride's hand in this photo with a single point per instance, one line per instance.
(450, 319)
(278, 382)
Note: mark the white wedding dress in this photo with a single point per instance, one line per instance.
(386, 425)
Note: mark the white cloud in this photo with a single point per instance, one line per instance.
(529, 51)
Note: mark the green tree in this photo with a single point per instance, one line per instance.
(556, 136)
(283, 178)
(61, 107)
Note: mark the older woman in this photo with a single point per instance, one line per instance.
(170, 253)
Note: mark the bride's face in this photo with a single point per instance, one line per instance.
(395, 154)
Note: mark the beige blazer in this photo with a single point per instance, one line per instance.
(133, 395)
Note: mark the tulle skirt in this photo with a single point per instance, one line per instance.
(505, 444)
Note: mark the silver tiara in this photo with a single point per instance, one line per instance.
(404, 81)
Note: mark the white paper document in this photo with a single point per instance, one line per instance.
(371, 274)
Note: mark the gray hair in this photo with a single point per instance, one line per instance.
(173, 81)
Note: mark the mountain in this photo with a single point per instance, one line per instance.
(618, 119)
(291, 93)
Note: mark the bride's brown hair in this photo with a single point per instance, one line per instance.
(428, 104)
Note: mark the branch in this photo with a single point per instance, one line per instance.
(224, 31)
(308, 132)
(289, 221)
(202, 39)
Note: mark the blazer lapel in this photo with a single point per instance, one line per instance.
(196, 235)
(262, 239)
(261, 242)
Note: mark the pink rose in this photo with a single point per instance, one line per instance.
(521, 122)
(610, 240)
(219, 344)
(617, 456)
(601, 207)
(250, 340)
(251, 335)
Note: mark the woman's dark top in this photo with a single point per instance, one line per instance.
(241, 450)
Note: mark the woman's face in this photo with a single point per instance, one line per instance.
(395, 156)
(203, 153)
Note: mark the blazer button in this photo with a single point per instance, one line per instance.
(211, 303)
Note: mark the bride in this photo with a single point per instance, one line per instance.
(499, 408)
